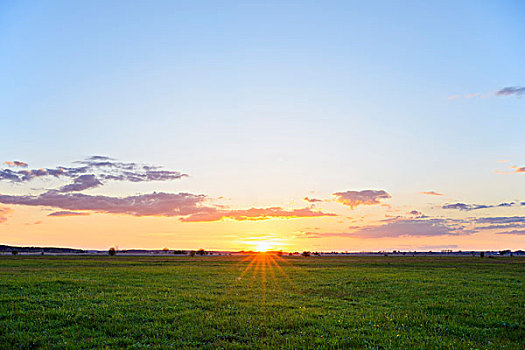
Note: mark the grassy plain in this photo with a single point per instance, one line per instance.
(262, 301)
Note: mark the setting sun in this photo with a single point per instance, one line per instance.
(263, 246)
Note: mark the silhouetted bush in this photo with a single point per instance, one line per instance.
(14, 252)
(179, 252)
(201, 252)
(112, 251)
(482, 254)
(305, 253)
(192, 253)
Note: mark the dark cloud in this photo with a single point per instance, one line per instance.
(366, 197)
(416, 213)
(153, 204)
(500, 220)
(513, 232)
(255, 214)
(312, 200)
(68, 213)
(469, 207)
(511, 90)
(92, 172)
(83, 182)
(500, 227)
(16, 163)
(404, 227)
(185, 205)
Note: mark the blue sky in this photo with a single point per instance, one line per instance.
(265, 102)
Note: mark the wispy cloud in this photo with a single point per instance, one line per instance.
(255, 214)
(511, 90)
(519, 169)
(312, 200)
(505, 91)
(68, 213)
(432, 193)
(513, 232)
(16, 163)
(3, 214)
(470, 207)
(500, 220)
(356, 198)
(404, 227)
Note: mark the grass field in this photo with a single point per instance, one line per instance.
(262, 301)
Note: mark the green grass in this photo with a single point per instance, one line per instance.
(225, 302)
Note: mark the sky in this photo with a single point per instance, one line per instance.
(293, 125)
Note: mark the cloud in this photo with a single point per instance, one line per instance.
(511, 90)
(469, 207)
(506, 91)
(153, 204)
(101, 167)
(254, 214)
(417, 214)
(519, 169)
(312, 200)
(68, 213)
(500, 220)
(446, 246)
(405, 227)
(366, 197)
(16, 163)
(188, 206)
(432, 193)
(514, 232)
(3, 214)
(83, 182)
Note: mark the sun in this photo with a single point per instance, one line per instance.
(263, 246)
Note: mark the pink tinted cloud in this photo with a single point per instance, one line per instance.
(255, 214)
(432, 193)
(403, 227)
(3, 214)
(312, 200)
(68, 213)
(519, 169)
(153, 204)
(356, 198)
(185, 205)
(16, 163)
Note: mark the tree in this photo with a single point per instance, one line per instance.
(112, 251)
(192, 253)
(305, 253)
(14, 252)
(201, 252)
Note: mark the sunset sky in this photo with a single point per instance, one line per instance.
(305, 125)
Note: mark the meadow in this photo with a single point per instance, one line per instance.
(262, 301)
